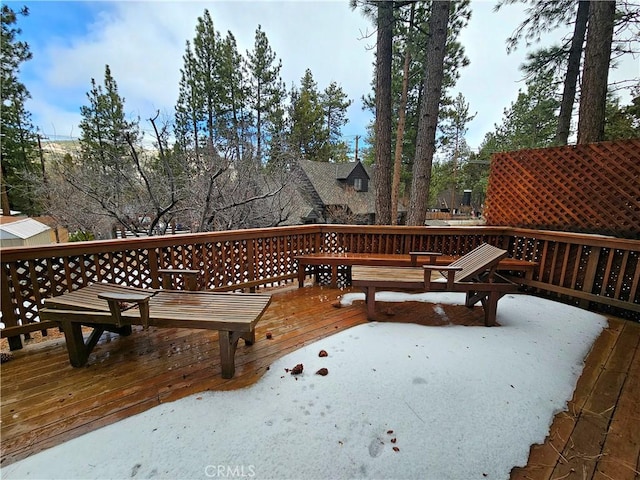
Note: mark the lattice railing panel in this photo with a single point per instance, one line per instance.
(592, 188)
(581, 269)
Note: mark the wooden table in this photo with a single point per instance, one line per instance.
(393, 260)
(373, 278)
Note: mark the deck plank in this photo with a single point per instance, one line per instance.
(585, 447)
(544, 457)
(621, 450)
(46, 402)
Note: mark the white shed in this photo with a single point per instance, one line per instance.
(24, 232)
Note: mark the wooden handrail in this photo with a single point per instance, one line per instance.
(599, 269)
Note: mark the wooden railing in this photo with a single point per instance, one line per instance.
(591, 271)
(580, 188)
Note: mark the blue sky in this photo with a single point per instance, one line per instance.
(143, 43)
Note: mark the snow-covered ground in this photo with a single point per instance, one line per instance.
(400, 401)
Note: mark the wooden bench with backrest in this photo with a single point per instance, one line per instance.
(473, 274)
(110, 307)
(413, 259)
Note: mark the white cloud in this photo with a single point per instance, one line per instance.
(143, 43)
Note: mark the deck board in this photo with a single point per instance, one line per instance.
(46, 402)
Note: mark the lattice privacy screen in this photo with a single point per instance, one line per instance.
(592, 188)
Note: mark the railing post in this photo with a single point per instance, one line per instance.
(317, 240)
(590, 274)
(154, 267)
(8, 312)
(251, 269)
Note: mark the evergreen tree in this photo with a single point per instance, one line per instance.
(189, 106)
(453, 128)
(429, 111)
(597, 56)
(308, 134)
(104, 127)
(18, 140)
(383, 122)
(335, 103)
(530, 121)
(212, 117)
(410, 34)
(206, 49)
(622, 121)
(267, 92)
(573, 71)
(107, 173)
(402, 118)
(201, 122)
(615, 32)
(233, 115)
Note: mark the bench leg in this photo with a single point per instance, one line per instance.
(228, 344)
(249, 337)
(370, 299)
(301, 275)
(489, 302)
(78, 350)
(491, 308)
(15, 343)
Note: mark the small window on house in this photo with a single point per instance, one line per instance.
(357, 184)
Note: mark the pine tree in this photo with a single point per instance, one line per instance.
(188, 107)
(409, 38)
(211, 112)
(622, 121)
(104, 128)
(530, 121)
(308, 134)
(613, 33)
(206, 49)
(335, 103)
(429, 111)
(214, 134)
(18, 140)
(109, 175)
(232, 111)
(266, 93)
(383, 123)
(597, 56)
(456, 117)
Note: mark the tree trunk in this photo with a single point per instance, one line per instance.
(593, 97)
(4, 197)
(573, 70)
(429, 109)
(382, 173)
(402, 117)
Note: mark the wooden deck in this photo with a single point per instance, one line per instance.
(44, 401)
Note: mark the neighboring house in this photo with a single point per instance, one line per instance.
(460, 201)
(335, 192)
(21, 231)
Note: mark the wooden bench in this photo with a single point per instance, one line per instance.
(413, 259)
(109, 307)
(472, 274)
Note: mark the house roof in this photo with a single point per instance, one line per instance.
(326, 180)
(23, 228)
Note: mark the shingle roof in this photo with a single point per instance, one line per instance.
(325, 178)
